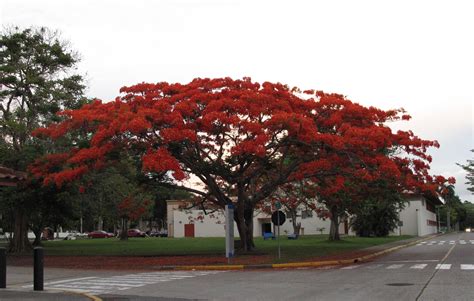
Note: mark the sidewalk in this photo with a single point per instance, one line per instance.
(7, 295)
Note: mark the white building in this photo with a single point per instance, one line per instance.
(419, 217)
(197, 223)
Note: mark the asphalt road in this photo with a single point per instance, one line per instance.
(439, 269)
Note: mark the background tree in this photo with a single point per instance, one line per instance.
(243, 140)
(469, 168)
(469, 219)
(35, 84)
(452, 212)
(378, 215)
(295, 197)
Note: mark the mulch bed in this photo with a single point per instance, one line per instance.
(151, 263)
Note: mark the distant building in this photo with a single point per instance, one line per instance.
(208, 223)
(419, 216)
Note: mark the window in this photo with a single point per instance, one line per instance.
(306, 214)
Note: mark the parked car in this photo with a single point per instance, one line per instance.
(100, 234)
(163, 233)
(136, 233)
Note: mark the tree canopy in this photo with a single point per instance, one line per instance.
(243, 140)
(36, 82)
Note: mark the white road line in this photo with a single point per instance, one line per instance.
(60, 281)
(419, 266)
(85, 287)
(108, 283)
(443, 266)
(394, 266)
(467, 266)
(97, 285)
(374, 266)
(411, 261)
(351, 267)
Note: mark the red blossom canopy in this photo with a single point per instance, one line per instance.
(243, 139)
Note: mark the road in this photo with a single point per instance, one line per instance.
(439, 269)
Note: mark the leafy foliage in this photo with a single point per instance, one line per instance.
(469, 168)
(35, 84)
(378, 217)
(243, 140)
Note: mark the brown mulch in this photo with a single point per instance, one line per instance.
(147, 263)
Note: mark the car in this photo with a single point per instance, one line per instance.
(468, 229)
(136, 233)
(163, 233)
(100, 234)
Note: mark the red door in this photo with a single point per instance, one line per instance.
(189, 230)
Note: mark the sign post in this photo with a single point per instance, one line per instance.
(278, 219)
(229, 232)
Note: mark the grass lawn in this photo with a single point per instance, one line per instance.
(304, 247)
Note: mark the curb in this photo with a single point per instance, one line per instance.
(87, 295)
(293, 264)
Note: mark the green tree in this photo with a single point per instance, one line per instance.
(36, 82)
(469, 220)
(378, 215)
(469, 168)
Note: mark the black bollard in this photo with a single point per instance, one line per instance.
(3, 268)
(38, 269)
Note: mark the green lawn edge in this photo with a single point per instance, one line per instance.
(304, 247)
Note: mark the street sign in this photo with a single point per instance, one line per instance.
(277, 205)
(278, 218)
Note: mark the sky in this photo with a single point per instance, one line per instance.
(418, 55)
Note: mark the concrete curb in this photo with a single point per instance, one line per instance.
(293, 264)
(87, 295)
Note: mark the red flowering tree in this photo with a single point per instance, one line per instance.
(130, 209)
(241, 139)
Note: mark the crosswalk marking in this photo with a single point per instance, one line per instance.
(374, 266)
(394, 266)
(351, 267)
(419, 266)
(443, 242)
(467, 266)
(443, 266)
(98, 285)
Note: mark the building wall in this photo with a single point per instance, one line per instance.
(417, 219)
(212, 224)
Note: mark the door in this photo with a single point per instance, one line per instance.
(266, 228)
(189, 230)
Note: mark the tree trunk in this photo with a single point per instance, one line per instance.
(334, 231)
(20, 243)
(296, 226)
(100, 224)
(244, 220)
(37, 231)
(124, 232)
